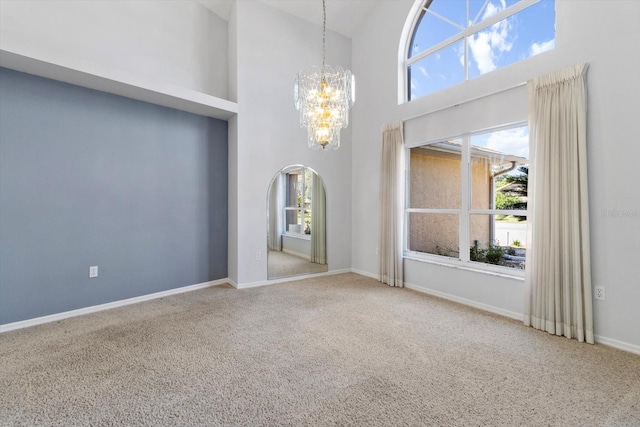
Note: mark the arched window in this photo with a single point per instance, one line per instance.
(457, 40)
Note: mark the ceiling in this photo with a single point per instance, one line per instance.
(343, 16)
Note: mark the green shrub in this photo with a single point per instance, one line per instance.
(491, 255)
(477, 254)
(494, 254)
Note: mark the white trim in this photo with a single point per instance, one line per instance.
(464, 101)
(403, 50)
(488, 129)
(289, 279)
(117, 82)
(95, 308)
(471, 303)
(489, 269)
(620, 345)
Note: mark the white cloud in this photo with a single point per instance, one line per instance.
(492, 9)
(460, 52)
(487, 45)
(537, 48)
(423, 70)
(481, 52)
(510, 141)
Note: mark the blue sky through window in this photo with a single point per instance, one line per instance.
(437, 71)
(526, 33)
(514, 142)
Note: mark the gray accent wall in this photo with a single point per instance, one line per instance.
(89, 178)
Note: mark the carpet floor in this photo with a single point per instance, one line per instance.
(333, 350)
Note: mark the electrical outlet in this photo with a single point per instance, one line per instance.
(93, 271)
(599, 294)
(258, 256)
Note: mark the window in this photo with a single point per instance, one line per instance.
(467, 200)
(297, 211)
(453, 41)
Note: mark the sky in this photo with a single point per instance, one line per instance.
(513, 141)
(520, 36)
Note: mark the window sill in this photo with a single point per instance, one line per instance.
(461, 265)
(298, 235)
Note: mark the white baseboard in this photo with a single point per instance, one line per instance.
(465, 301)
(289, 279)
(443, 295)
(95, 308)
(620, 345)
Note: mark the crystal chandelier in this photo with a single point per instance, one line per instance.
(324, 96)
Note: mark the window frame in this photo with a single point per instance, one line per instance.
(464, 212)
(299, 209)
(463, 35)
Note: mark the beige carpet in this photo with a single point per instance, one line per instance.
(336, 350)
(282, 264)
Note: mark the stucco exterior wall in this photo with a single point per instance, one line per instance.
(435, 183)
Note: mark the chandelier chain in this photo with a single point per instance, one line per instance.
(324, 32)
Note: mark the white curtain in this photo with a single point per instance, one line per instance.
(276, 212)
(318, 221)
(391, 202)
(558, 274)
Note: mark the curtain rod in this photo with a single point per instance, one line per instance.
(466, 101)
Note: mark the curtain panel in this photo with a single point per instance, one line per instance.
(318, 221)
(276, 213)
(391, 200)
(558, 274)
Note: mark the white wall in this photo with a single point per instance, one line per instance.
(602, 33)
(177, 42)
(272, 47)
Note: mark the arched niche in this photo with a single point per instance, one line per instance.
(296, 223)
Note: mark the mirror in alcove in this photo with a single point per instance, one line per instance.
(296, 223)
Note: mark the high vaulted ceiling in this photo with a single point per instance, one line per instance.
(343, 16)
